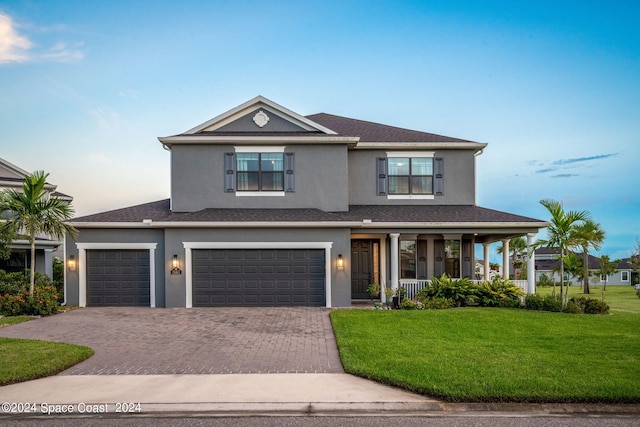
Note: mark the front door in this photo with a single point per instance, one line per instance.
(364, 267)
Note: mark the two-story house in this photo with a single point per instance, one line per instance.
(12, 177)
(271, 208)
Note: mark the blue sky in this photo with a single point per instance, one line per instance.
(553, 87)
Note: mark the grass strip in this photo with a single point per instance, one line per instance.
(495, 355)
(24, 360)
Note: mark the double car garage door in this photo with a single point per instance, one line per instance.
(220, 277)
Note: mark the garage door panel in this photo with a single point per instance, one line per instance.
(118, 278)
(258, 277)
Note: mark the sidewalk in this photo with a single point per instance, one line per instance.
(254, 394)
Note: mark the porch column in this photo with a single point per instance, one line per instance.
(531, 265)
(505, 258)
(487, 266)
(395, 256)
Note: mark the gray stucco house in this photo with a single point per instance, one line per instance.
(271, 208)
(12, 177)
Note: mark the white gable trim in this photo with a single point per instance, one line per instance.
(188, 260)
(259, 102)
(82, 266)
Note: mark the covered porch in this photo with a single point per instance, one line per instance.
(410, 259)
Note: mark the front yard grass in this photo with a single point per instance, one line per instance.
(24, 360)
(495, 355)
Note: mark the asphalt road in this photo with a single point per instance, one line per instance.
(371, 421)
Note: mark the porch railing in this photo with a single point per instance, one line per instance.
(412, 286)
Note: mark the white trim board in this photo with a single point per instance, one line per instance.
(188, 260)
(82, 266)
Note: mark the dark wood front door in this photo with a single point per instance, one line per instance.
(364, 266)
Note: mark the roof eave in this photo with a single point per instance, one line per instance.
(431, 145)
(249, 140)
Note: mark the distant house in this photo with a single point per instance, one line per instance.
(272, 208)
(547, 262)
(11, 176)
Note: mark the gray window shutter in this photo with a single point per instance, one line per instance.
(230, 172)
(289, 165)
(381, 176)
(438, 179)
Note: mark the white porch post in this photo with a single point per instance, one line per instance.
(395, 256)
(531, 265)
(487, 267)
(505, 258)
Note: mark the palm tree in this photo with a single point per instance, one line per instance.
(588, 234)
(32, 213)
(560, 234)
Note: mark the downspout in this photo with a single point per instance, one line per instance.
(475, 175)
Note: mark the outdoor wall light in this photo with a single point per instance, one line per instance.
(340, 262)
(71, 263)
(175, 265)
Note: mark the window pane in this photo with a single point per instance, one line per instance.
(398, 166)
(407, 259)
(421, 185)
(247, 181)
(398, 185)
(272, 162)
(272, 181)
(248, 162)
(452, 258)
(421, 166)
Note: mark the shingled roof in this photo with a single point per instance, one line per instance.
(159, 211)
(376, 132)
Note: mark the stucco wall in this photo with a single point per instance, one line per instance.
(197, 181)
(459, 179)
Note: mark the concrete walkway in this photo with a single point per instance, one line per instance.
(255, 394)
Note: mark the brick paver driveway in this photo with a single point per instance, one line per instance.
(192, 341)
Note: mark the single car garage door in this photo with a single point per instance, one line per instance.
(258, 277)
(118, 278)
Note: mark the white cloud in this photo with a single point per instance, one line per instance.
(105, 117)
(13, 47)
(62, 52)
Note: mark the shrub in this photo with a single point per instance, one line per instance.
(533, 302)
(460, 291)
(43, 302)
(510, 303)
(498, 291)
(437, 303)
(593, 306)
(550, 303)
(12, 283)
(408, 304)
(544, 280)
(573, 308)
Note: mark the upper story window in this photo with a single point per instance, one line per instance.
(410, 175)
(259, 171)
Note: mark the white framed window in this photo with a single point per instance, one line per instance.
(624, 276)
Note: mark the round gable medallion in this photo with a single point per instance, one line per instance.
(261, 118)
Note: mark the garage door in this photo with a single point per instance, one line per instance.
(118, 278)
(258, 277)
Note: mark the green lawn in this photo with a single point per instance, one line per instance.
(619, 298)
(486, 354)
(14, 320)
(23, 360)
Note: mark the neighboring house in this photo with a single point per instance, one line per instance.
(270, 208)
(11, 176)
(547, 262)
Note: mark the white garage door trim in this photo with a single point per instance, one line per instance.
(188, 246)
(82, 266)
